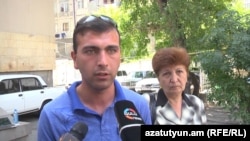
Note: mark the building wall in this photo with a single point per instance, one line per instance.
(22, 52)
(32, 17)
(27, 30)
(74, 11)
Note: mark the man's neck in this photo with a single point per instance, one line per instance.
(96, 100)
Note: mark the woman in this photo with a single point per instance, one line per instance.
(173, 106)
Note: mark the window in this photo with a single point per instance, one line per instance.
(65, 26)
(2, 88)
(80, 4)
(108, 1)
(12, 85)
(121, 73)
(23, 84)
(64, 7)
(30, 84)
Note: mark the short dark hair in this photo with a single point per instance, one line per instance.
(93, 23)
(169, 57)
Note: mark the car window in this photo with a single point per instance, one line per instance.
(2, 88)
(121, 73)
(11, 85)
(150, 74)
(142, 74)
(30, 84)
(138, 75)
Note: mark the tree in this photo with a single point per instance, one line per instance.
(171, 22)
(227, 63)
(221, 35)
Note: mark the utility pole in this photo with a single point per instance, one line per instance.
(74, 13)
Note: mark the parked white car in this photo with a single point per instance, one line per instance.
(135, 76)
(121, 76)
(147, 85)
(26, 93)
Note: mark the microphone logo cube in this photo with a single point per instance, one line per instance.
(131, 114)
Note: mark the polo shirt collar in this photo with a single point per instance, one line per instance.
(76, 103)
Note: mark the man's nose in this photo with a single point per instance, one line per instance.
(102, 58)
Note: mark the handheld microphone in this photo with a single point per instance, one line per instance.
(76, 133)
(129, 120)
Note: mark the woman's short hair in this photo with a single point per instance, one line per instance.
(171, 56)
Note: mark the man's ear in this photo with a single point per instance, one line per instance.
(73, 56)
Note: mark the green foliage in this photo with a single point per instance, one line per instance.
(227, 63)
(211, 27)
(179, 22)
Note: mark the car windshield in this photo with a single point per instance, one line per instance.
(150, 74)
(121, 73)
(142, 74)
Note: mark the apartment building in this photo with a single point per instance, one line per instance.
(68, 12)
(27, 39)
(29, 29)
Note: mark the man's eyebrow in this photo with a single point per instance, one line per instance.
(90, 47)
(112, 46)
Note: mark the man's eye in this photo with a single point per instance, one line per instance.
(112, 50)
(89, 51)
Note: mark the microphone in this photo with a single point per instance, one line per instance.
(129, 120)
(76, 133)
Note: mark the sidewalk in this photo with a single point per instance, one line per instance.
(217, 115)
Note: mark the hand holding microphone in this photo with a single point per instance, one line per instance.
(129, 120)
(76, 133)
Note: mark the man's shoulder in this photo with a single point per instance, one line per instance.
(134, 96)
(59, 101)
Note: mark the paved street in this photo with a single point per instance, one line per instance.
(219, 116)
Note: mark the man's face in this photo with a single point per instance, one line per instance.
(98, 58)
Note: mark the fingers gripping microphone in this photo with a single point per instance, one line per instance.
(129, 120)
(76, 133)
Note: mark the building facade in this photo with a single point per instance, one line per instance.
(33, 34)
(27, 37)
(68, 12)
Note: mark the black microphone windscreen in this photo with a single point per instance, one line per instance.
(79, 130)
(129, 120)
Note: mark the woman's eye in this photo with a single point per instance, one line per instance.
(167, 73)
(179, 71)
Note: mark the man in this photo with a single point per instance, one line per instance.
(96, 53)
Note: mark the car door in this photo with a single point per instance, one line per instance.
(13, 97)
(33, 93)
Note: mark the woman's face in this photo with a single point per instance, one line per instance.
(173, 79)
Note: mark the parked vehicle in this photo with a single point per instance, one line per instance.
(26, 93)
(121, 76)
(147, 85)
(135, 76)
